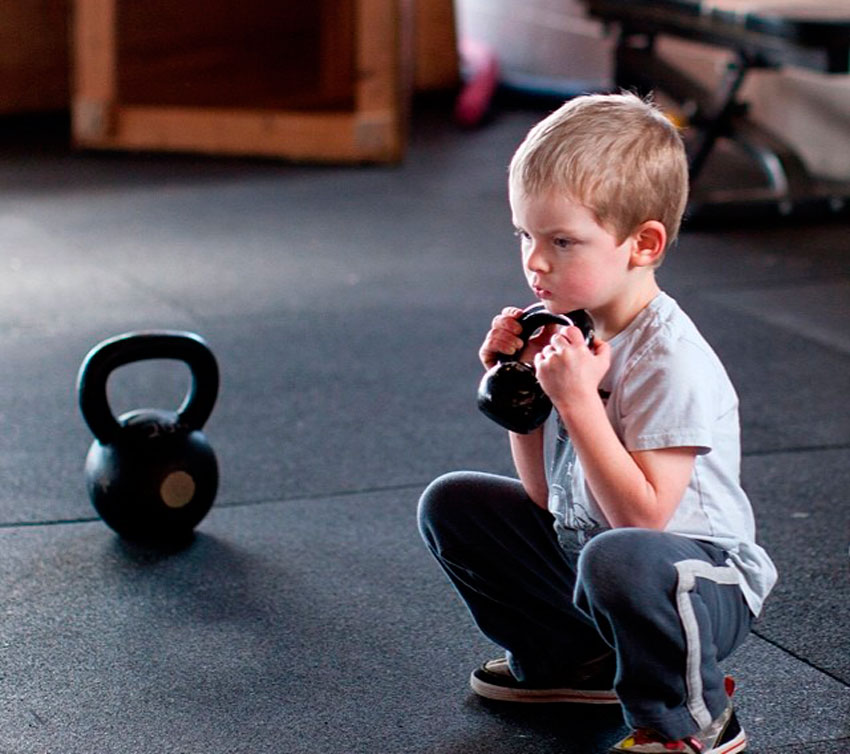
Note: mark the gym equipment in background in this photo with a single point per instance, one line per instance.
(760, 35)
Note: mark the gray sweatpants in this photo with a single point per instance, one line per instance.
(668, 605)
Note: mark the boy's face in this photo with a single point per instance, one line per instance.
(570, 260)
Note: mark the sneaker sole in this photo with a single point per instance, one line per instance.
(737, 745)
(544, 696)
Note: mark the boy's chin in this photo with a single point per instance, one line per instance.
(557, 307)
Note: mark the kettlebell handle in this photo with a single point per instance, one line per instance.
(537, 315)
(130, 347)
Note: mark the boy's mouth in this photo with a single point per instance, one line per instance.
(541, 293)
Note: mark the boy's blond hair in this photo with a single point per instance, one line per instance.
(616, 154)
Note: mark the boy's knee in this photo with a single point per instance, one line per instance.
(439, 500)
(621, 563)
(599, 562)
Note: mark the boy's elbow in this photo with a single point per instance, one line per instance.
(650, 512)
(657, 521)
(538, 494)
(646, 521)
(541, 501)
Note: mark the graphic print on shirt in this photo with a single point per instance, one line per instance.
(576, 515)
(570, 512)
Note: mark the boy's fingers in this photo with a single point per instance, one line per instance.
(574, 335)
(571, 335)
(507, 321)
(506, 345)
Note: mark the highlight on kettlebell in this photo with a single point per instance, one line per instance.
(151, 474)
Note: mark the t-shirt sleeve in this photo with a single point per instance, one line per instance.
(669, 398)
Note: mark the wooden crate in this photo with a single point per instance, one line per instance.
(327, 80)
(435, 46)
(33, 55)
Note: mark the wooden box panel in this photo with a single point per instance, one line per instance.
(435, 47)
(327, 80)
(33, 55)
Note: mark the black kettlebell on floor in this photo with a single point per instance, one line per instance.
(509, 392)
(151, 474)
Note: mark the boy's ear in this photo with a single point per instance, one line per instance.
(650, 240)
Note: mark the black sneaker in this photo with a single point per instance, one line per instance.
(590, 684)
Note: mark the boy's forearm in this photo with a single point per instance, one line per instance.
(618, 483)
(527, 452)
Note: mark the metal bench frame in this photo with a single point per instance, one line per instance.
(757, 42)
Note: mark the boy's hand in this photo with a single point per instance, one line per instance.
(504, 338)
(568, 370)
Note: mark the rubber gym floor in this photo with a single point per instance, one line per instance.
(345, 306)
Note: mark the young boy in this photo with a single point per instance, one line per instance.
(622, 565)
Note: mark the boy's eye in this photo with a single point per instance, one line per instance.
(521, 234)
(563, 243)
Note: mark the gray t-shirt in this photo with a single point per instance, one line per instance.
(666, 388)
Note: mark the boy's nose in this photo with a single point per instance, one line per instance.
(536, 260)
